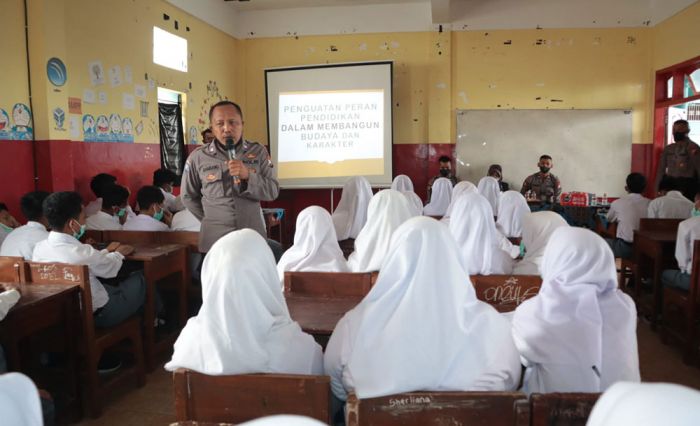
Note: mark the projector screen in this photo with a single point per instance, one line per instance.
(326, 123)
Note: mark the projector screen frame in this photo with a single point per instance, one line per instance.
(388, 155)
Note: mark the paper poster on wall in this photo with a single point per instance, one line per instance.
(140, 90)
(96, 72)
(75, 106)
(20, 128)
(139, 128)
(115, 76)
(59, 118)
(74, 127)
(128, 101)
(4, 125)
(128, 76)
(89, 96)
(102, 96)
(144, 108)
(127, 130)
(151, 84)
(193, 135)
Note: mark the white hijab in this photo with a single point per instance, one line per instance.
(440, 197)
(647, 404)
(473, 228)
(402, 183)
(315, 245)
(511, 210)
(19, 401)
(350, 215)
(387, 210)
(421, 326)
(537, 228)
(243, 325)
(463, 187)
(491, 190)
(579, 333)
(283, 420)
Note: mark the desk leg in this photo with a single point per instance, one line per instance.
(183, 288)
(149, 315)
(71, 325)
(656, 308)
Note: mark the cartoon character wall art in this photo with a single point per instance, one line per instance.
(22, 118)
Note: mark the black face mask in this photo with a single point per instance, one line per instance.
(679, 136)
(444, 172)
(544, 169)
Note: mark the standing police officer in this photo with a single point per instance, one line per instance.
(223, 182)
(681, 160)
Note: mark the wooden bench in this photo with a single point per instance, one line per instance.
(505, 292)
(94, 341)
(561, 409)
(239, 398)
(11, 269)
(328, 284)
(436, 408)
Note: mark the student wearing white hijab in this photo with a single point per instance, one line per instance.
(350, 215)
(243, 325)
(284, 420)
(404, 185)
(440, 198)
(479, 242)
(537, 228)
(646, 404)
(315, 246)
(19, 401)
(491, 190)
(463, 187)
(387, 210)
(579, 333)
(511, 211)
(421, 326)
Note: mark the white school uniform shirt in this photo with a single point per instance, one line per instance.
(673, 205)
(627, 211)
(172, 202)
(579, 334)
(463, 187)
(474, 230)
(646, 404)
(688, 232)
(440, 198)
(421, 327)
(3, 235)
(243, 326)
(8, 299)
(387, 210)
(63, 248)
(95, 206)
(20, 404)
(22, 240)
(184, 220)
(144, 222)
(351, 213)
(490, 189)
(102, 221)
(315, 246)
(537, 229)
(512, 209)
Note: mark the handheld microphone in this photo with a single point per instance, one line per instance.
(231, 154)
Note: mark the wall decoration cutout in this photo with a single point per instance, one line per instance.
(193, 135)
(128, 101)
(89, 127)
(128, 75)
(97, 73)
(75, 106)
(59, 117)
(4, 125)
(139, 128)
(74, 127)
(56, 72)
(140, 90)
(89, 96)
(102, 96)
(144, 108)
(22, 123)
(115, 125)
(103, 129)
(128, 129)
(115, 76)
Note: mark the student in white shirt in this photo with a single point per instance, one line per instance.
(152, 213)
(672, 204)
(421, 326)
(111, 304)
(579, 334)
(97, 185)
(627, 211)
(7, 222)
(243, 326)
(21, 241)
(165, 180)
(112, 214)
(688, 232)
(184, 220)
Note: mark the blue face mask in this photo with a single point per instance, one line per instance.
(78, 235)
(522, 249)
(696, 212)
(121, 212)
(159, 215)
(6, 228)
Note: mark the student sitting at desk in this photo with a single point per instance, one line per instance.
(112, 214)
(152, 213)
(489, 189)
(184, 220)
(111, 304)
(387, 210)
(671, 204)
(463, 187)
(165, 180)
(421, 327)
(404, 185)
(21, 241)
(627, 211)
(579, 334)
(351, 213)
(244, 326)
(7, 222)
(315, 246)
(688, 232)
(511, 211)
(537, 228)
(440, 198)
(97, 185)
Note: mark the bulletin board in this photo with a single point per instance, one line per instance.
(591, 149)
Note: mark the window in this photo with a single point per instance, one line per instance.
(169, 50)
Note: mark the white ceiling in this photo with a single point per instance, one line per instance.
(277, 18)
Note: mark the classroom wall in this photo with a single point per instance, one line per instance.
(676, 39)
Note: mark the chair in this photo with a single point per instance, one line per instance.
(94, 342)
(561, 409)
(505, 292)
(239, 398)
(11, 269)
(328, 284)
(436, 408)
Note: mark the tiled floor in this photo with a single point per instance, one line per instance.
(153, 404)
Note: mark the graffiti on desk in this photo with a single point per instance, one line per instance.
(509, 293)
(52, 273)
(579, 412)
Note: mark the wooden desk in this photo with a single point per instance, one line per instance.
(318, 316)
(654, 248)
(40, 307)
(161, 261)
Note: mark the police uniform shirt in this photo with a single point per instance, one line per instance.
(541, 183)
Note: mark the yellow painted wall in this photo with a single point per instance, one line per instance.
(677, 39)
(13, 84)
